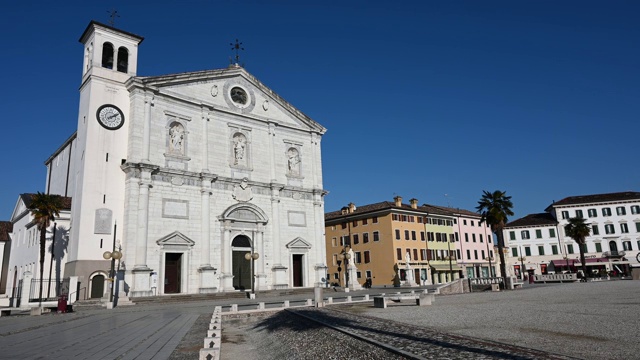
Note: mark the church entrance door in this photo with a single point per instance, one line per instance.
(172, 266)
(297, 271)
(97, 286)
(241, 271)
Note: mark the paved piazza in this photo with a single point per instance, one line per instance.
(583, 320)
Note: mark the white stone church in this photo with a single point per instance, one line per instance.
(187, 173)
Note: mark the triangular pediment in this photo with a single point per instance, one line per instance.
(20, 209)
(212, 88)
(298, 243)
(176, 238)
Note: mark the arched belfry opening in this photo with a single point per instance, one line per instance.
(123, 59)
(244, 226)
(107, 55)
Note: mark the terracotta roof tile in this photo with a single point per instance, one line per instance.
(597, 198)
(390, 205)
(533, 220)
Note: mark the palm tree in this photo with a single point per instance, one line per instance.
(44, 208)
(495, 208)
(578, 230)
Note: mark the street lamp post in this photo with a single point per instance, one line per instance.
(252, 257)
(113, 255)
(489, 257)
(344, 257)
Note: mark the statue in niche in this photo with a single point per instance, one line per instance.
(408, 259)
(239, 148)
(176, 138)
(242, 192)
(293, 161)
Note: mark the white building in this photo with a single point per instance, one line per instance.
(188, 173)
(613, 245)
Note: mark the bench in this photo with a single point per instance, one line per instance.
(422, 299)
(517, 285)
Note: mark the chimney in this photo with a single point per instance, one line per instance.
(352, 208)
(414, 203)
(344, 210)
(398, 200)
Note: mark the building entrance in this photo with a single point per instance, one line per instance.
(240, 265)
(97, 286)
(172, 267)
(297, 271)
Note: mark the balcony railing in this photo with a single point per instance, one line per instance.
(610, 254)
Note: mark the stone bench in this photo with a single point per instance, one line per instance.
(423, 299)
(517, 285)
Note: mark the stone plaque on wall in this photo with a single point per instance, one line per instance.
(176, 209)
(103, 223)
(297, 218)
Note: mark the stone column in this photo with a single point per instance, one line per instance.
(141, 272)
(207, 272)
(205, 140)
(280, 279)
(260, 267)
(226, 276)
(26, 288)
(146, 137)
(319, 241)
(272, 136)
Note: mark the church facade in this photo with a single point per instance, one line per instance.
(206, 181)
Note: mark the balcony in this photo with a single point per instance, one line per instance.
(613, 254)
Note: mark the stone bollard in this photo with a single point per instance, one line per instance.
(349, 298)
(261, 306)
(317, 292)
(234, 307)
(209, 354)
(286, 303)
(366, 297)
(309, 302)
(330, 300)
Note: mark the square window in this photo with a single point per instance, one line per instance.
(598, 247)
(354, 223)
(540, 250)
(538, 234)
(364, 221)
(464, 222)
(592, 213)
(368, 272)
(527, 251)
(579, 213)
(358, 274)
(635, 209)
(565, 214)
(376, 236)
(525, 234)
(570, 248)
(554, 249)
(606, 212)
(595, 230)
(626, 245)
(609, 229)
(638, 227)
(374, 220)
(552, 233)
(514, 252)
(620, 210)
(512, 235)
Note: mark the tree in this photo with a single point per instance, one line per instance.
(495, 208)
(578, 230)
(44, 208)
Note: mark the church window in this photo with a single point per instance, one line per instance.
(123, 59)
(239, 96)
(107, 55)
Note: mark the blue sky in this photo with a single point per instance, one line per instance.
(432, 100)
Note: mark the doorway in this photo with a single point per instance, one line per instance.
(172, 267)
(297, 271)
(241, 267)
(97, 286)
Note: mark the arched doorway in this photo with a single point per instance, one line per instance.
(97, 286)
(241, 267)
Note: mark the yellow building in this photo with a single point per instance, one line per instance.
(388, 241)
(441, 242)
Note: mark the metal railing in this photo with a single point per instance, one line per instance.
(51, 289)
(613, 254)
(486, 281)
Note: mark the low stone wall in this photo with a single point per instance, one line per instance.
(459, 286)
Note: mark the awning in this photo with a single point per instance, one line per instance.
(563, 262)
(439, 267)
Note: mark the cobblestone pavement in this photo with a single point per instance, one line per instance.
(415, 342)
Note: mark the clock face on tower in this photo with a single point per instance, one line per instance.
(110, 117)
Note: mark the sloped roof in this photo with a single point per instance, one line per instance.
(457, 211)
(203, 75)
(5, 228)
(597, 198)
(388, 205)
(540, 219)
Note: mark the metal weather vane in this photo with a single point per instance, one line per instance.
(113, 14)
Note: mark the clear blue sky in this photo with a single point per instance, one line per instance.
(432, 100)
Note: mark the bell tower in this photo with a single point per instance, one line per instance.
(110, 59)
